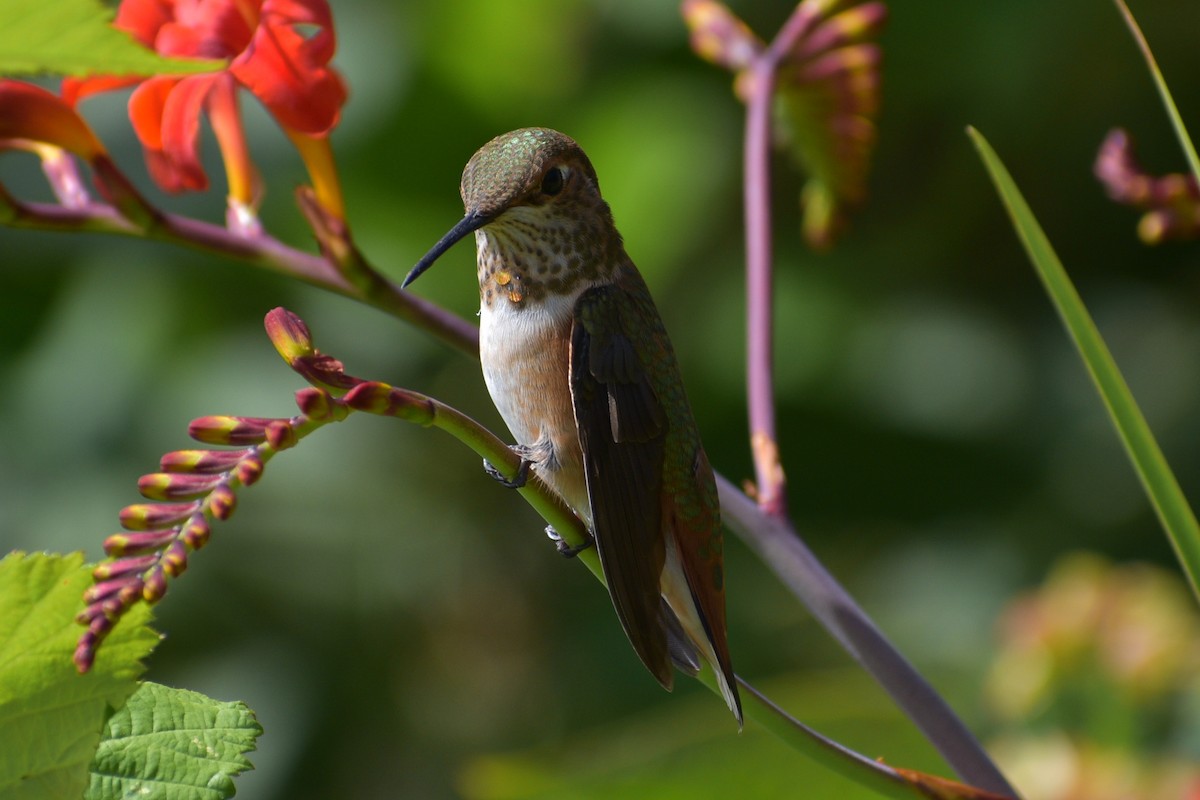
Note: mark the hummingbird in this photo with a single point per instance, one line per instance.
(578, 363)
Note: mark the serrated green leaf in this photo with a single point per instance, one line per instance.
(74, 37)
(1162, 489)
(51, 716)
(173, 744)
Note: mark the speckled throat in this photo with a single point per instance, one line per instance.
(531, 252)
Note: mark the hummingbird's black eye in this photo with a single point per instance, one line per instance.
(552, 181)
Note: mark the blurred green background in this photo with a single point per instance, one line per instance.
(399, 622)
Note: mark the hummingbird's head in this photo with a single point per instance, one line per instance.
(529, 167)
(535, 195)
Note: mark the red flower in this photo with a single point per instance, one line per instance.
(286, 68)
(31, 117)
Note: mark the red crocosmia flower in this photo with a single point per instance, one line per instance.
(277, 49)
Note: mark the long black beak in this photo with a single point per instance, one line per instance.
(471, 222)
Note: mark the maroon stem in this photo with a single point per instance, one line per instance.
(782, 549)
(261, 250)
(760, 379)
(760, 319)
(772, 535)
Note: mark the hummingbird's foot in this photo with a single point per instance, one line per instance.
(567, 550)
(516, 482)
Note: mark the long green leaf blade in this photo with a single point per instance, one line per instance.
(1168, 500)
(1185, 141)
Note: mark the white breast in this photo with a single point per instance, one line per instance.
(525, 354)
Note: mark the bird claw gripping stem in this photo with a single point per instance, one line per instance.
(515, 482)
(568, 550)
(195, 487)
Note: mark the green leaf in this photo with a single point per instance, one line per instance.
(51, 716)
(1163, 490)
(74, 37)
(175, 745)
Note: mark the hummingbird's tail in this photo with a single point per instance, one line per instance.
(686, 657)
(683, 653)
(689, 635)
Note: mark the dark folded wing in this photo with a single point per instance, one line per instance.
(622, 430)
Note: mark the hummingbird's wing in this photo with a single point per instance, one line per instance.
(622, 431)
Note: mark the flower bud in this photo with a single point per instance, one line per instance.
(315, 403)
(249, 470)
(124, 566)
(289, 334)
(281, 435)
(125, 544)
(222, 502)
(174, 560)
(155, 586)
(150, 516)
(201, 461)
(177, 486)
(196, 532)
(230, 430)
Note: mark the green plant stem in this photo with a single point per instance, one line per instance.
(539, 496)
(853, 766)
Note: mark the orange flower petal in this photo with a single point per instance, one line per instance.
(144, 18)
(245, 188)
(32, 113)
(278, 49)
(288, 72)
(74, 90)
(205, 29)
(146, 106)
(166, 116)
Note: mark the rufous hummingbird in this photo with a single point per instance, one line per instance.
(578, 363)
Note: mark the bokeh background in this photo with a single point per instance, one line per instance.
(400, 623)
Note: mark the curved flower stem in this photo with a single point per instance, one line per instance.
(785, 553)
(764, 526)
(382, 400)
(197, 487)
(868, 773)
(262, 251)
(490, 447)
(760, 382)
(760, 321)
